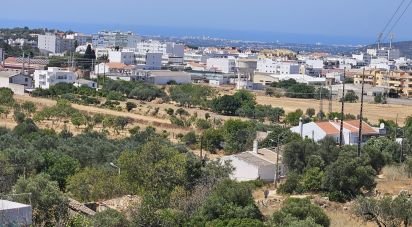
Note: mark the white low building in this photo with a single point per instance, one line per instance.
(163, 77)
(52, 76)
(16, 81)
(320, 130)
(15, 214)
(253, 165)
(87, 83)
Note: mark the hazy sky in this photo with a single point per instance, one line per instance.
(350, 18)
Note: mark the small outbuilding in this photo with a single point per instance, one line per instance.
(257, 164)
(15, 214)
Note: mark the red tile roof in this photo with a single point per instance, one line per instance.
(328, 128)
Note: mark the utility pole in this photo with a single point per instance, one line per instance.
(321, 102)
(361, 114)
(22, 66)
(342, 112)
(330, 99)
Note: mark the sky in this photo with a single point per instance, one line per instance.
(325, 21)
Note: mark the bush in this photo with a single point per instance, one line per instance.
(203, 124)
(294, 210)
(190, 138)
(292, 184)
(130, 106)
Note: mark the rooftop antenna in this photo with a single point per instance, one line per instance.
(379, 40)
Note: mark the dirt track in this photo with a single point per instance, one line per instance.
(141, 120)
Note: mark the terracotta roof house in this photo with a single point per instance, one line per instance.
(319, 130)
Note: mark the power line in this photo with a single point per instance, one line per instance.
(397, 21)
(393, 17)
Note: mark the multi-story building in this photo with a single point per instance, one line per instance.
(55, 43)
(400, 81)
(81, 39)
(279, 68)
(126, 57)
(153, 61)
(115, 39)
(1, 55)
(384, 52)
(224, 65)
(52, 76)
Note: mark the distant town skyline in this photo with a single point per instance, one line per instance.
(332, 22)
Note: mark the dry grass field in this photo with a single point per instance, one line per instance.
(373, 112)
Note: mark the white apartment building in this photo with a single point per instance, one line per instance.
(171, 52)
(192, 57)
(266, 65)
(115, 39)
(52, 76)
(315, 63)
(384, 52)
(224, 65)
(55, 44)
(1, 55)
(81, 39)
(125, 57)
(153, 61)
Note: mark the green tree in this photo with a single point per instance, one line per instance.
(230, 200)
(226, 105)
(61, 168)
(19, 117)
(310, 112)
(312, 179)
(50, 206)
(156, 167)
(190, 138)
(238, 135)
(387, 211)
(351, 97)
(348, 176)
(78, 119)
(212, 139)
(92, 184)
(293, 118)
(6, 97)
(296, 155)
(295, 210)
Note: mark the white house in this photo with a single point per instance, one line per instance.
(16, 81)
(83, 82)
(15, 214)
(224, 65)
(52, 76)
(125, 57)
(162, 77)
(257, 164)
(319, 130)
